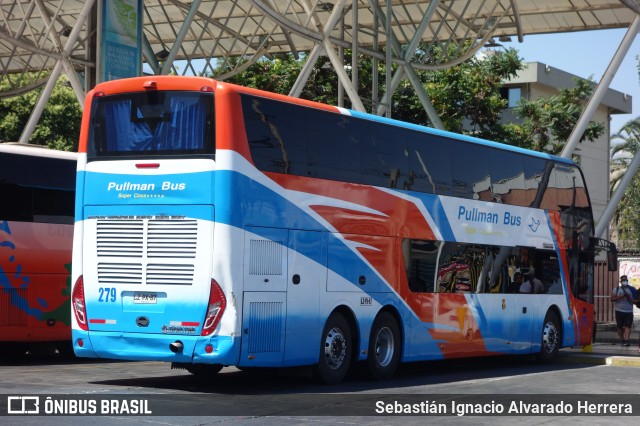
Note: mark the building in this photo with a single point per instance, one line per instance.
(541, 80)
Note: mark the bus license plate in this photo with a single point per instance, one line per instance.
(145, 298)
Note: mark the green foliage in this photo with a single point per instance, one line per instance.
(625, 145)
(548, 122)
(59, 125)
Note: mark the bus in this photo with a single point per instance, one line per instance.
(37, 189)
(219, 225)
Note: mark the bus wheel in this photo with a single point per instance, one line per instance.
(204, 370)
(335, 350)
(551, 338)
(384, 347)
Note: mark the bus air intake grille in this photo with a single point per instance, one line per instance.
(265, 327)
(172, 239)
(13, 307)
(172, 274)
(119, 273)
(120, 238)
(265, 257)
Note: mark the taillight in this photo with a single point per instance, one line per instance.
(215, 309)
(77, 302)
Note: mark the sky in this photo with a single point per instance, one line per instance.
(587, 54)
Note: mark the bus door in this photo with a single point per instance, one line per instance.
(307, 275)
(522, 324)
(264, 297)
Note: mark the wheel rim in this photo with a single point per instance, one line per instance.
(550, 337)
(384, 346)
(335, 348)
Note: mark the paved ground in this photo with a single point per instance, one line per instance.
(606, 349)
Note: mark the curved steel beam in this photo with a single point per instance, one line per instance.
(631, 4)
(24, 89)
(24, 44)
(39, 51)
(286, 23)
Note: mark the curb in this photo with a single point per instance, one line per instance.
(600, 359)
(623, 361)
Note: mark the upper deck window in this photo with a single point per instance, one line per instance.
(152, 123)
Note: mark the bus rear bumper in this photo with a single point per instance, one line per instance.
(157, 347)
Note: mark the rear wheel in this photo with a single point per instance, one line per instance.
(204, 370)
(384, 347)
(551, 338)
(335, 350)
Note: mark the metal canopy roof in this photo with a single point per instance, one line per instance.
(36, 34)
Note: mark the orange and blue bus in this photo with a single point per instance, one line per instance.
(37, 188)
(218, 225)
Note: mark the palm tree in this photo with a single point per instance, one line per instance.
(625, 145)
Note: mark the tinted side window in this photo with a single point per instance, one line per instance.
(534, 174)
(507, 178)
(333, 144)
(551, 190)
(270, 151)
(572, 192)
(470, 171)
(286, 138)
(53, 182)
(420, 259)
(581, 197)
(16, 194)
(37, 189)
(384, 161)
(429, 164)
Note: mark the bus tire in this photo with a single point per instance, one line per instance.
(384, 347)
(551, 338)
(335, 350)
(204, 370)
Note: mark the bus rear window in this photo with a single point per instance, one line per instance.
(154, 123)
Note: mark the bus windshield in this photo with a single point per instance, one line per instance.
(152, 123)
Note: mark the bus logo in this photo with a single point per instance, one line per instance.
(534, 224)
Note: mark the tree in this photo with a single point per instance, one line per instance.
(467, 96)
(548, 122)
(59, 125)
(626, 220)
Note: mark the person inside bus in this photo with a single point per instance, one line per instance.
(531, 284)
(536, 284)
(624, 297)
(517, 282)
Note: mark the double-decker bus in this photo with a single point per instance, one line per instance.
(220, 225)
(37, 187)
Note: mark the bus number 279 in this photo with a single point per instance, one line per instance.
(107, 294)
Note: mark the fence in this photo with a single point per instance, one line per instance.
(604, 282)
